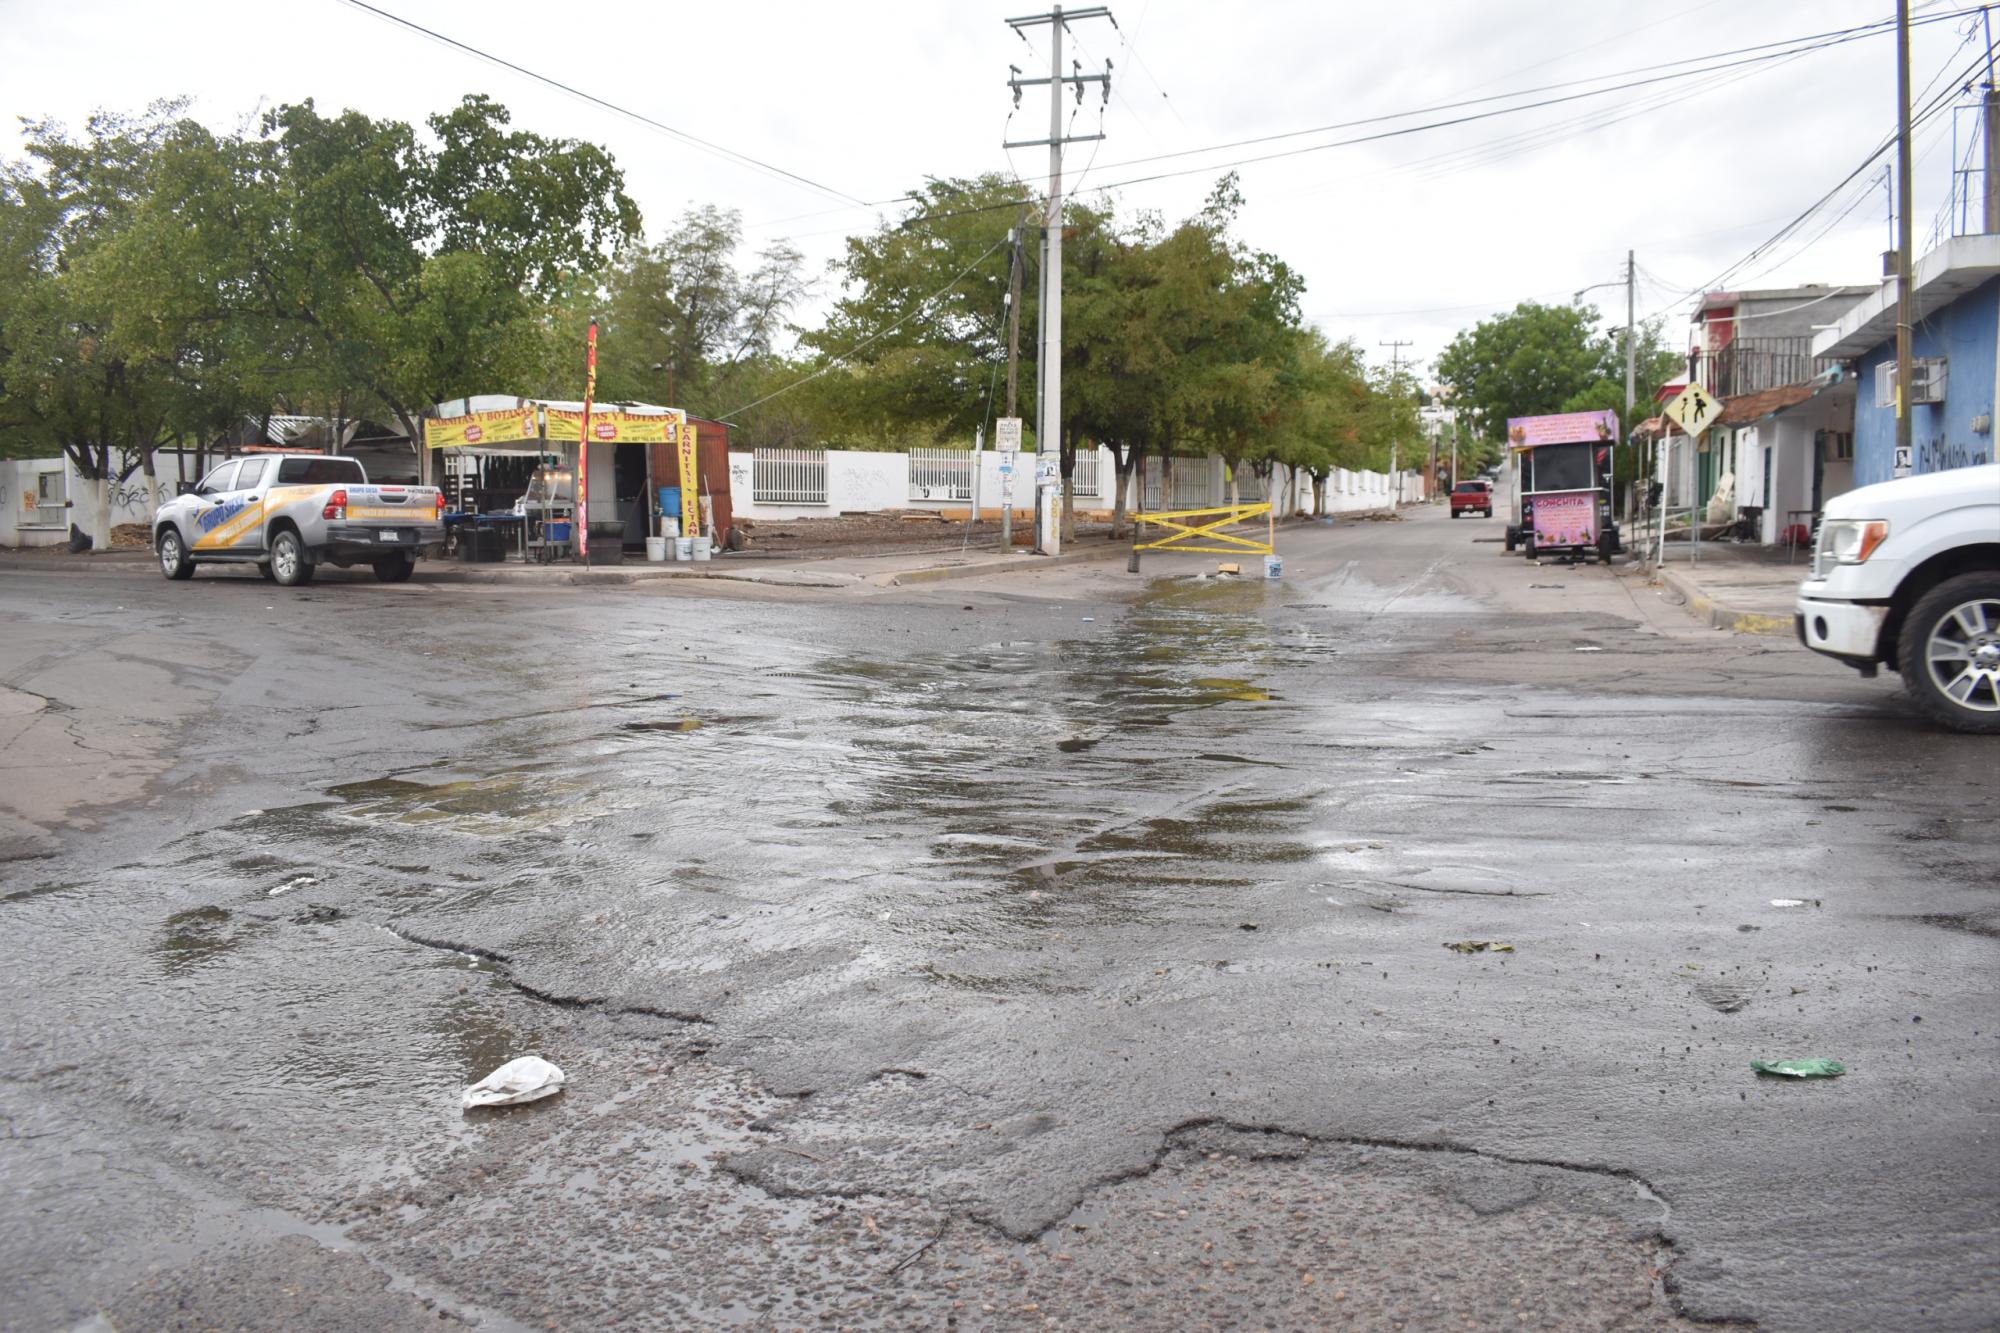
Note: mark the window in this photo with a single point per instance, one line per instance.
(219, 479)
(1470, 488)
(252, 474)
(320, 472)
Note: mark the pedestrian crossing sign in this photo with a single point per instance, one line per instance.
(1695, 410)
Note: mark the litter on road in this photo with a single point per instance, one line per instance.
(1813, 1068)
(1477, 946)
(528, 1079)
(1788, 902)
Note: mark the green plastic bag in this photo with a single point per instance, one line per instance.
(1814, 1068)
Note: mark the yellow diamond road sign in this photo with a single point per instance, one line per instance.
(1695, 410)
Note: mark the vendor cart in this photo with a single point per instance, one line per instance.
(1561, 470)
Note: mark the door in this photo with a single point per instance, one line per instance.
(212, 513)
(247, 524)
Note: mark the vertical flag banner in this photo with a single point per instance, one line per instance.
(690, 500)
(583, 446)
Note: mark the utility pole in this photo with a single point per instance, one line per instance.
(1396, 387)
(1009, 461)
(1631, 371)
(1905, 299)
(1048, 431)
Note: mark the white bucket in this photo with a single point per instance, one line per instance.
(1274, 566)
(703, 548)
(683, 548)
(656, 549)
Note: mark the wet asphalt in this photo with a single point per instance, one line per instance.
(1050, 950)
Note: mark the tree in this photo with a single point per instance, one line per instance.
(1528, 362)
(684, 320)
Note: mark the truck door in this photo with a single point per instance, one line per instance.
(212, 512)
(247, 524)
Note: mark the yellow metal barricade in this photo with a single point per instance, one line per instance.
(1185, 533)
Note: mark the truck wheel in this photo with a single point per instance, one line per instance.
(174, 562)
(395, 568)
(291, 567)
(1949, 653)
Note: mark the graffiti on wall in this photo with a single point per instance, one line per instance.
(1938, 455)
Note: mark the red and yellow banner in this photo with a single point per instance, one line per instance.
(690, 501)
(481, 428)
(612, 427)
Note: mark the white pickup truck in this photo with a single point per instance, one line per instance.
(1906, 574)
(289, 513)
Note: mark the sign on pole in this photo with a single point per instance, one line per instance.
(1695, 410)
(1007, 435)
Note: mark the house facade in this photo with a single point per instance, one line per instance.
(1954, 339)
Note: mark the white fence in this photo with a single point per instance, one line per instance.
(941, 474)
(788, 476)
(1087, 477)
(1196, 484)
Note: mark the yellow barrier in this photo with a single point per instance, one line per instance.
(1210, 531)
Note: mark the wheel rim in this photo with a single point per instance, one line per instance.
(284, 559)
(1963, 655)
(170, 553)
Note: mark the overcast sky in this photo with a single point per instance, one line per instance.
(1412, 237)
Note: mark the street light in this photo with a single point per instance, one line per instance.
(667, 366)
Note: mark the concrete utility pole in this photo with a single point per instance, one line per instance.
(1396, 387)
(1013, 380)
(1631, 372)
(1990, 125)
(1048, 430)
(1905, 299)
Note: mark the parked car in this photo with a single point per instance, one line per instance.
(290, 513)
(1472, 497)
(1906, 574)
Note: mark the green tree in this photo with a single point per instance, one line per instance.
(1528, 362)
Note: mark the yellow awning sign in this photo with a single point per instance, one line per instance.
(481, 428)
(614, 427)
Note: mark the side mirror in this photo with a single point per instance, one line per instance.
(187, 488)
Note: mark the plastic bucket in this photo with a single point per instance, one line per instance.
(703, 548)
(1274, 566)
(656, 549)
(683, 548)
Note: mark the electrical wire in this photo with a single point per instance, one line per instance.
(695, 141)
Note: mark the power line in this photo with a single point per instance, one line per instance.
(728, 154)
(1793, 50)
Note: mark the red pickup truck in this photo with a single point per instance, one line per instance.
(1470, 496)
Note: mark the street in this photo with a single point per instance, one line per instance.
(1057, 949)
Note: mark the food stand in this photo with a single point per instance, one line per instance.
(537, 445)
(1561, 470)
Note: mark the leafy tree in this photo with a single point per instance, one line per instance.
(1528, 362)
(684, 320)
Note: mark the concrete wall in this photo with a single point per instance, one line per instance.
(1966, 334)
(23, 524)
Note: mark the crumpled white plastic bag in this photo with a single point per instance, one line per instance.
(527, 1079)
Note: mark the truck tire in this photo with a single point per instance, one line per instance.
(1513, 536)
(1949, 653)
(174, 562)
(395, 568)
(291, 564)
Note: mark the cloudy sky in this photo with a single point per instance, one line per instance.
(1407, 237)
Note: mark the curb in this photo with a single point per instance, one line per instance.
(1720, 615)
(1005, 564)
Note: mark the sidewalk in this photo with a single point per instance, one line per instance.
(1744, 588)
(889, 570)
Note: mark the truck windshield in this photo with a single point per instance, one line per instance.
(1559, 467)
(320, 472)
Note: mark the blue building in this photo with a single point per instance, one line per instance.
(1954, 343)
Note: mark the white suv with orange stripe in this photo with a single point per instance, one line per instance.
(290, 513)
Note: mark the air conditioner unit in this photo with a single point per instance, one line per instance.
(1927, 375)
(1927, 380)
